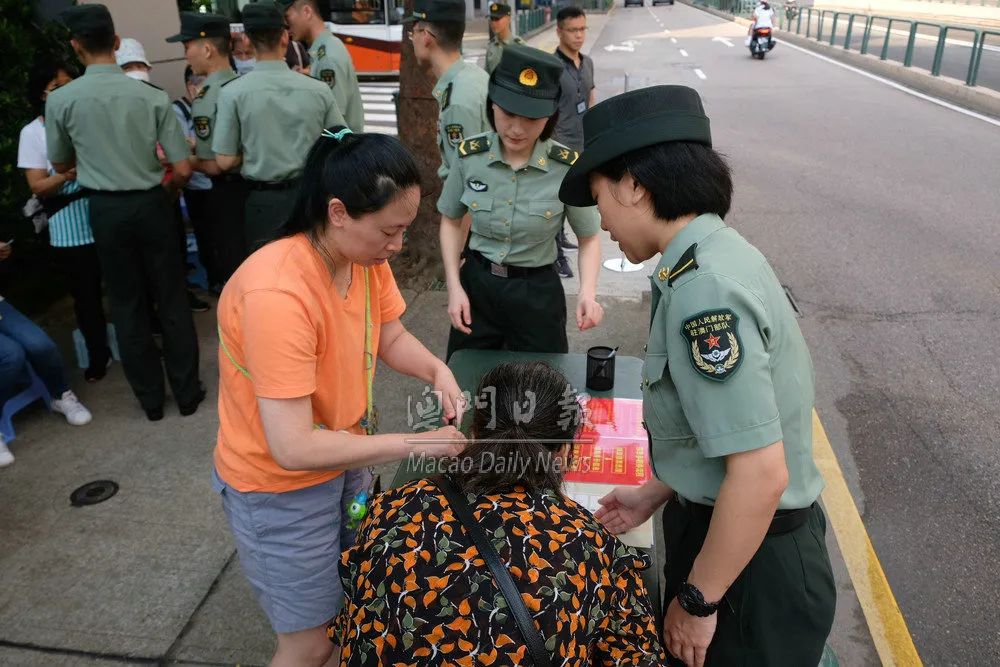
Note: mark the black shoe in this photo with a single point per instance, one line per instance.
(197, 305)
(562, 268)
(154, 414)
(188, 409)
(565, 243)
(96, 372)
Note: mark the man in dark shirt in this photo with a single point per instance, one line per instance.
(576, 97)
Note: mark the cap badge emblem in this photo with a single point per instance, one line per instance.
(528, 77)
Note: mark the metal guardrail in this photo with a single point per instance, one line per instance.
(823, 18)
(530, 19)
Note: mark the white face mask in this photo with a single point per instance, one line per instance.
(244, 66)
(139, 74)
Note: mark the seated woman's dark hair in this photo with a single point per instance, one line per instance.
(682, 178)
(525, 413)
(364, 171)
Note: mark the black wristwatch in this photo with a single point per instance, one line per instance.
(693, 602)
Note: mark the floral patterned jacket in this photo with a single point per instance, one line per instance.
(418, 593)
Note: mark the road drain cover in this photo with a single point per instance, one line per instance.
(93, 493)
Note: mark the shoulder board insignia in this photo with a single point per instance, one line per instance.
(321, 52)
(564, 155)
(473, 146)
(151, 85)
(518, 40)
(201, 93)
(446, 97)
(686, 263)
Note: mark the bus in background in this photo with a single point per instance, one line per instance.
(372, 32)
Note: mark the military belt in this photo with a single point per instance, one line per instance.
(784, 521)
(273, 185)
(505, 271)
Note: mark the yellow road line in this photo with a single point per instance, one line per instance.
(885, 620)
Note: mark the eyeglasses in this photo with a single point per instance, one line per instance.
(416, 29)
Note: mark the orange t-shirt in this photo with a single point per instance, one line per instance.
(282, 319)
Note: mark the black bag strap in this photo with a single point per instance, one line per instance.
(184, 108)
(463, 512)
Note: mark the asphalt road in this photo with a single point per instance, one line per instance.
(879, 210)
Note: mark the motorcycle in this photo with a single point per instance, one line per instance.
(761, 42)
(791, 10)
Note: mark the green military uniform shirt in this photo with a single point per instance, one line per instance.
(203, 112)
(112, 123)
(272, 116)
(516, 215)
(494, 50)
(727, 369)
(461, 94)
(332, 64)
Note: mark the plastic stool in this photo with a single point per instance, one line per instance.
(36, 390)
(80, 345)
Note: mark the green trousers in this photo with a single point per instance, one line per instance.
(779, 611)
(136, 238)
(526, 314)
(266, 213)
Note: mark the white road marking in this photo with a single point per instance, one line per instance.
(379, 89)
(613, 47)
(897, 86)
(381, 129)
(723, 40)
(378, 107)
(666, 31)
(673, 40)
(684, 54)
(376, 98)
(701, 75)
(380, 116)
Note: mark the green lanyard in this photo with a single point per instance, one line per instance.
(368, 423)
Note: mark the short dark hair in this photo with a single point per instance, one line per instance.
(365, 171)
(547, 131)
(570, 12)
(312, 3)
(682, 177)
(97, 42)
(223, 45)
(449, 34)
(266, 40)
(42, 73)
(525, 442)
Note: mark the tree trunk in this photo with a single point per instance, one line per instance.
(419, 263)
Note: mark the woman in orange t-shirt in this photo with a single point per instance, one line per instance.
(300, 325)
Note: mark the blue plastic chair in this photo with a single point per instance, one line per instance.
(36, 390)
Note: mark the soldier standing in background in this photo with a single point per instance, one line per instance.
(267, 121)
(331, 63)
(437, 32)
(206, 47)
(500, 16)
(107, 126)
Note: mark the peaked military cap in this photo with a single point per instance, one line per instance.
(499, 10)
(526, 82)
(437, 11)
(633, 120)
(88, 20)
(195, 25)
(262, 16)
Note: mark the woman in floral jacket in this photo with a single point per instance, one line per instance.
(419, 593)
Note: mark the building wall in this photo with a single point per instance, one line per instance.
(151, 22)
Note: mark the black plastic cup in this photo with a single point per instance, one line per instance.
(600, 368)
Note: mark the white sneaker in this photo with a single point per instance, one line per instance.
(70, 406)
(6, 458)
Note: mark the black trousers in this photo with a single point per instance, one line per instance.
(80, 267)
(525, 314)
(136, 236)
(200, 213)
(779, 611)
(266, 213)
(227, 212)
